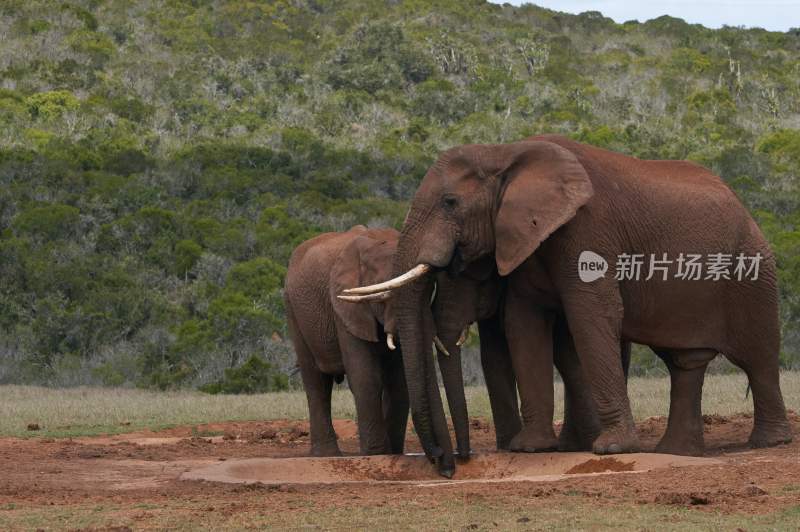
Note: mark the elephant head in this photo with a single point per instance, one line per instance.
(499, 201)
(367, 259)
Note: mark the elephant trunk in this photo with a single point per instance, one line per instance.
(410, 326)
(415, 327)
(449, 320)
(453, 380)
(416, 331)
(441, 433)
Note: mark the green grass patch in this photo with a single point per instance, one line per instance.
(90, 411)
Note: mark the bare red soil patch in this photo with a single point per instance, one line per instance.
(145, 468)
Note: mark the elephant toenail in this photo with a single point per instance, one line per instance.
(614, 448)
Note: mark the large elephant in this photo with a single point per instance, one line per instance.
(333, 337)
(536, 206)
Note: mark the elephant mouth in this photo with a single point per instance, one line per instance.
(457, 263)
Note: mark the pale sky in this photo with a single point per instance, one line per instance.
(774, 15)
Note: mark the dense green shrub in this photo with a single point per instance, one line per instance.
(254, 376)
(256, 278)
(49, 222)
(783, 147)
(378, 57)
(50, 105)
(158, 165)
(97, 46)
(187, 253)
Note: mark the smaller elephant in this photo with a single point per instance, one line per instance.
(333, 337)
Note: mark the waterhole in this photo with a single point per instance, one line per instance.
(487, 467)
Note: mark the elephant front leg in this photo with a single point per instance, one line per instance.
(595, 321)
(501, 384)
(365, 378)
(530, 341)
(395, 395)
(581, 424)
(687, 369)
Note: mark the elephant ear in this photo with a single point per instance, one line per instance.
(348, 272)
(377, 261)
(544, 186)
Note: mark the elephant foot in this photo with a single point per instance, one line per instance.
(446, 465)
(769, 436)
(325, 449)
(534, 440)
(571, 440)
(396, 447)
(504, 442)
(616, 440)
(685, 445)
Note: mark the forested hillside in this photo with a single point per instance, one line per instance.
(159, 160)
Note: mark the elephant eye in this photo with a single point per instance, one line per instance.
(450, 202)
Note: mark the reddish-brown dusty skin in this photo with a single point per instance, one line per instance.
(145, 467)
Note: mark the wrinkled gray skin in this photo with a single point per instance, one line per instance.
(536, 206)
(334, 337)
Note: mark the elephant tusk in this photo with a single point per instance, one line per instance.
(440, 346)
(464, 336)
(378, 296)
(390, 342)
(420, 270)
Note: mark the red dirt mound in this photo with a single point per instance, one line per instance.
(601, 465)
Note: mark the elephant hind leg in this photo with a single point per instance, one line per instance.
(770, 425)
(754, 346)
(318, 387)
(687, 369)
